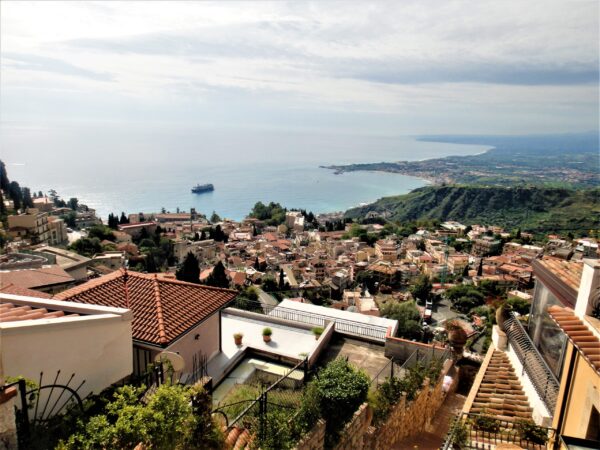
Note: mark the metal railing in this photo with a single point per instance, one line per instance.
(476, 431)
(541, 376)
(343, 326)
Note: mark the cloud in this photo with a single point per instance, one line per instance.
(52, 65)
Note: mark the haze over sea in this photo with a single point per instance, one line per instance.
(117, 168)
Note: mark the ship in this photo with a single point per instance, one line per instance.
(200, 188)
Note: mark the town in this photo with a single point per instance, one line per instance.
(284, 294)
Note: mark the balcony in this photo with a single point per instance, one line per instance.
(541, 376)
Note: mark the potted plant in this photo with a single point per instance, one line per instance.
(502, 314)
(237, 337)
(317, 331)
(266, 333)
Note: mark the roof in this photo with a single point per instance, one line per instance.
(10, 312)
(18, 290)
(500, 393)
(163, 308)
(39, 277)
(569, 272)
(578, 333)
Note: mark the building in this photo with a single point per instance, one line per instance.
(57, 230)
(386, 250)
(547, 371)
(135, 229)
(203, 250)
(168, 314)
(485, 246)
(73, 263)
(32, 225)
(43, 335)
(49, 278)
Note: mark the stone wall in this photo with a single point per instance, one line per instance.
(404, 421)
(407, 419)
(8, 425)
(401, 349)
(315, 439)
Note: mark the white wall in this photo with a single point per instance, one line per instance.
(97, 349)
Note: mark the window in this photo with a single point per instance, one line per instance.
(549, 339)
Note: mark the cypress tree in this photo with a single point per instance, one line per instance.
(189, 270)
(218, 277)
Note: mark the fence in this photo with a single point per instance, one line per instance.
(262, 415)
(542, 378)
(344, 326)
(475, 431)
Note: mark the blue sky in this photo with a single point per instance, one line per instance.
(421, 67)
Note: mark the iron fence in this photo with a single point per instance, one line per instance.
(480, 432)
(541, 376)
(262, 416)
(344, 326)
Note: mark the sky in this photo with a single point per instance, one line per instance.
(386, 68)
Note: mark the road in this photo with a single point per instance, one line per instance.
(266, 299)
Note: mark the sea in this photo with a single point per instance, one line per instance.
(117, 168)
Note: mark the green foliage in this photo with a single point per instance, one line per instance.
(269, 284)
(465, 297)
(408, 316)
(421, 290)
(189, 270)
(214, 218)
(341, 389)
(529, 431)
(175, 417)
(218, 277)
(536, 209)
(272, 214)
(69, 219)
(101, 232)
(389, 392)
(486, 423)
(267, 331)
(317, 331)
(519, 305)
(86, 246)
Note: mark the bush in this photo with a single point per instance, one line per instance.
(519, 305)
(408, 316)
(341, 389)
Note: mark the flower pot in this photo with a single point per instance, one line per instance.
(266, 338)
(238, 341)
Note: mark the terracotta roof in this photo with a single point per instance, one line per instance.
(18, 290)
(569, 272)
(163, 308)
(578, 333)
(10, 312)
(32, 278)
(500, 393)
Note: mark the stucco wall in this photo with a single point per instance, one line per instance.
(207, 342)
(97, 349)
(584, 394)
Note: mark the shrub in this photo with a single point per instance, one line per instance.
(487, 423)
(267, 331)
(529, 431)
(341, 389)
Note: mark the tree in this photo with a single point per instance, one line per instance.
(101, 232)
(218, 277)
(465, 297)
(27, 200)
(2, 206)
(269, 284)
(123, 220)
(421, 290)
(86, 246)
(73, 203)
(40, 194)
(203, 235)
(151, 266)
(408, 316)
(4, 182)
(256, 264)
(214, 218)
(113, 222)
(189, 270)
(340, 390)
(70, 219)
(15, 194)
(281, 279)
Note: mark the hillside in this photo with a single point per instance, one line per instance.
(536, 209)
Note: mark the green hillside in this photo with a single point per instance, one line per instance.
(536, 209)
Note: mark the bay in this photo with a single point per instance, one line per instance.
(115, 168)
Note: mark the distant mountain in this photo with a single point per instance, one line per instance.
(535, 209)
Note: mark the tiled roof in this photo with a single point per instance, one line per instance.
(32, 278)
(578, 333)
(18, 290)
(569, 272)
(163, 308)
(500, 393)
(10, 312)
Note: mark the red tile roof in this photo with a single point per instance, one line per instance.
(10, 312)
(18, 290)
(578, 333)
(32, 278)
(569, 272)
(500, 393)
(163, 308)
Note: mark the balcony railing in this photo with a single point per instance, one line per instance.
(343, 326)
(475, 431)
(541, 376)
